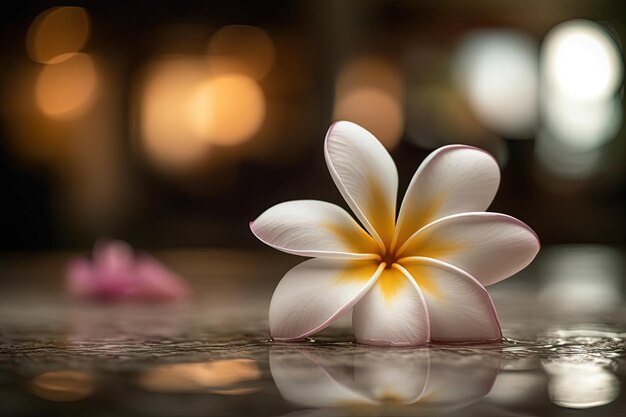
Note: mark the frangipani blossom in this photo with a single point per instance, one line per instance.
(411, 281)
(117, 274)
(428, 380)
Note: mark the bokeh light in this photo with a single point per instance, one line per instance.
(583, 278)
(438, 115)
(370, 71)
(63, 385)
(227, 109)
(57, 32)
(66, 89)
(171, 133)
(498, 72)
(375, 110)
(580, 383)
(581, 60)
(184, 111)
(202, 376)
(369, 92)
(581, 73)
(241, 49)
(565, 161)
(582, 125)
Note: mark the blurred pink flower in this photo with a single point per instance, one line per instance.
(117, 274)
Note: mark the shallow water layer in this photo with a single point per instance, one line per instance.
(564, 353)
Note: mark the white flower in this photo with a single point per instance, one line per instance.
(411, 281)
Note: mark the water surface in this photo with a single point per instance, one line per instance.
(564, 353)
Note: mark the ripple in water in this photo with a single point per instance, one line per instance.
(589, 342)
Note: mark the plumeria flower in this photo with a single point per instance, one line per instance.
(409, 281)
(428, 381)
(116, 274)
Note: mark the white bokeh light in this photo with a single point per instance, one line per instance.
(581, 60)
(582, 125)
(498, 73)
(583, 278)
(581, 74)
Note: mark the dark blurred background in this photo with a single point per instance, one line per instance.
(175, 123)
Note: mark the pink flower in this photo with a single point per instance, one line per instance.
(117, 274)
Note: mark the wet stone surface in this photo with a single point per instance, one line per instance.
(564, 354)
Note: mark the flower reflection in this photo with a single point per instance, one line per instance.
(515, 388)
(218, 377)
(427, 380)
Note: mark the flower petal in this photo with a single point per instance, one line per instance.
(314, 228)
(301, 379)
(453, 179)
(392, 375)
(365, 175)
(460, 309)
(113, 256)
(392, 313)
(154, 281)
(314, 293)
(488, 246)
(81, 278)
